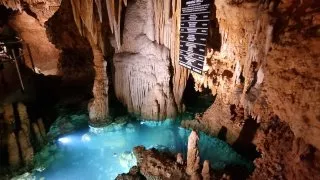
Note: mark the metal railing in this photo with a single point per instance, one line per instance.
(8, 54)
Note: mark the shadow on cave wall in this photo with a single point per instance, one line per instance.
(196, 102)
(243, 144)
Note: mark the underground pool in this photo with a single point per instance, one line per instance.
(103, 153)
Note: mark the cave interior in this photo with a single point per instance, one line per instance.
(93, 89)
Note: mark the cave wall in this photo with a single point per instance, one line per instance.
(43, 53)
(265, 65)
(266, 69)
(76, 56)
(28, 20)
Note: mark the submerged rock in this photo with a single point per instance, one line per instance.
(156, 165)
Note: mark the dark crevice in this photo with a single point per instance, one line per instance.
(243, 144)
(27, 9)
(214, 36)
(196, 102)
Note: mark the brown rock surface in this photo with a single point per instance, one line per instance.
(283, 156)
(155, 165)
(45, 56)
(267, 64)
(205, 173)
(193, 157)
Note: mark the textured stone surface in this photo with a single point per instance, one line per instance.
(155, 165)
(205, 172)
(266, 65)
(193, 157)
(142, 76)
(45, 56)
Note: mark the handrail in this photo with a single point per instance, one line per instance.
(11, 42)
(14, 58)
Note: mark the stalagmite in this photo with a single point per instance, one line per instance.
(26, 148)
(206, 170)
(24, 119)
(180, 159)
(41, 127)
(37, 133)
(8, 115)
(13, 150)
(193, 158)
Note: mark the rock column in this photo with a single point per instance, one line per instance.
(98, 108)
(193, 158)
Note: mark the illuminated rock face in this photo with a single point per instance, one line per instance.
(44, 54)
(142, 67)
(265, 70)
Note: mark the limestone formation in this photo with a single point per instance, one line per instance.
(180, 159)
(13, 150)
(24, 119)
(8, 115)
(36, 131)
(156, 165)
(142, 67)
(193, 158)
(205, 173)
(98, 108)
(41, 127)
(44, 54)
(43, 9)
(25, 148)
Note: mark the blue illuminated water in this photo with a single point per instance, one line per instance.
(104, 153)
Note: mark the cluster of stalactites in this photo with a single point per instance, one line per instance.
(114, 8)
(166, 15)
(162, 21)
(16, 4)
(12, 4)
(165, 19)
(83, 13)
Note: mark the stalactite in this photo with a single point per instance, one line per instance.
(166, 33)
(13, 4)
(114, 8)
(99, 8)
(180, 74)
(162, 22)
(76, 15)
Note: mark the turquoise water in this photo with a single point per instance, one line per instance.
(103, 153)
